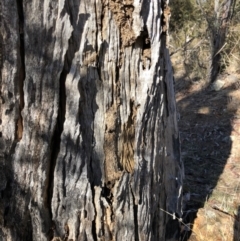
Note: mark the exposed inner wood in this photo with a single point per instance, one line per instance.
(129, 140)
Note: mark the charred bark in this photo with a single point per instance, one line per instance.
(89, 136)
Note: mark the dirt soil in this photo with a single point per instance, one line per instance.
(209, 127)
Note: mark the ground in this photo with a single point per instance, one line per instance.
(209, 125)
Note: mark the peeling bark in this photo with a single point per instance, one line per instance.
(89, 136)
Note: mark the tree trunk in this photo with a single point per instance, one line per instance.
(218, 30)
(89, 138)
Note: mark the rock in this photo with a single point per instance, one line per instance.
(213, 225)
(218, 85)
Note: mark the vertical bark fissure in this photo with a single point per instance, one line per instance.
(146, 48)
(1, 62)
(22, 73)
(56, 140)
(164, 34)
(94, 234)
(96, 35)
(94, 225)
(1, 42)
(135, 216)
(73, 46)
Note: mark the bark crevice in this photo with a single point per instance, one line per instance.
(73, 47)
(146, 48)
(135, 216)
(22, 74)
(94, 226)
(1, 42)
(56, 140)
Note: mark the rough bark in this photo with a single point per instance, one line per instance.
(89, 137)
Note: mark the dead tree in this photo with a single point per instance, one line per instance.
(88, 130)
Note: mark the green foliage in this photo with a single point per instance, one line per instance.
(181, 14)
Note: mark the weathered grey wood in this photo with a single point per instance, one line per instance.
(90, 147)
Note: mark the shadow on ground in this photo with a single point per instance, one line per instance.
(205, 125)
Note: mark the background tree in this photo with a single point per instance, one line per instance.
(89, 137)
(204, 36)
(218, 25)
